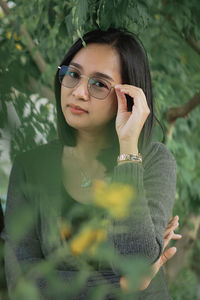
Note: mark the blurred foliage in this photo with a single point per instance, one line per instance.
(194, 258)
(165, 27)
(84, 246)
(185, 285)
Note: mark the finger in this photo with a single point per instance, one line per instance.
(170, 228)
(167, 254)
(176, 236)
(145, 284)
(176, 218)
(167, 239)
(123, 283)
(138, 98)
(173, 220)
(137, 94)
(121, 98)
(171, 236)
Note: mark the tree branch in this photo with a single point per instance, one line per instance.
(5, 7)
(194, 44)
(43, 90)
(36, 55)
(182, 111)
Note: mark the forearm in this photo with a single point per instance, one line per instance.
(151, 208)
(129, 147)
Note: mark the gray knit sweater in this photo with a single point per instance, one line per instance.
(35, 186)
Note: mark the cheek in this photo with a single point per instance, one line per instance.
(63, 102)
(64, 96)
(109, 109)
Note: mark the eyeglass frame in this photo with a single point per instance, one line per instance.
(82, 75)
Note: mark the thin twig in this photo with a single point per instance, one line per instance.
(29, 43)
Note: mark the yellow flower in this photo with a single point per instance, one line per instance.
(157, 17)
(115, 198)
(100, 236)
(183, 58)
(65, 230)
(19, 47)
(16, 37)
(48, 106)
(88, 239)
(8, 34)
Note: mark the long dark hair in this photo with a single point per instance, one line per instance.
(134, 69)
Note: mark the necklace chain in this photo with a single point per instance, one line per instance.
(86, 181)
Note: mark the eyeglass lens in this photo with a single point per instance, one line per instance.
(97, 87)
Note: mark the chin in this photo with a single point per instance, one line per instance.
(76, 124)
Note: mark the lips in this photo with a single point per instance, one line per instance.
(76, 107)
(76, 110)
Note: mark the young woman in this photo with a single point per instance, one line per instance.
(105, 119)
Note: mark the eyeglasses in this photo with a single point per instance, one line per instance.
(98, 87)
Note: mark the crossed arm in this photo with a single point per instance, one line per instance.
(166, 255)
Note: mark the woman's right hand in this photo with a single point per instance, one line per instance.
(166, 255)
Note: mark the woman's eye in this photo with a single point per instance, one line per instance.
(99, 84)
(73, 74)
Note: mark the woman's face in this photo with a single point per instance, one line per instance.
(96, 58)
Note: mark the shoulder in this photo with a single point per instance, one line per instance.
(39, 153)
(39, 161)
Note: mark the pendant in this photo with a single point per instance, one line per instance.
(86, 183)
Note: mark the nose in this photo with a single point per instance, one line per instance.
(80, 91)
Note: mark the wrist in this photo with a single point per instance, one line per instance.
(128, 148)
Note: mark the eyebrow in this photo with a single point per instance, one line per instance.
(98, 74)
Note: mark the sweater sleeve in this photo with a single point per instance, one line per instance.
(155, 183)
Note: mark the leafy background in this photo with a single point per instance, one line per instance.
(33, 40)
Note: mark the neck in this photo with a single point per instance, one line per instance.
(89, 144)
